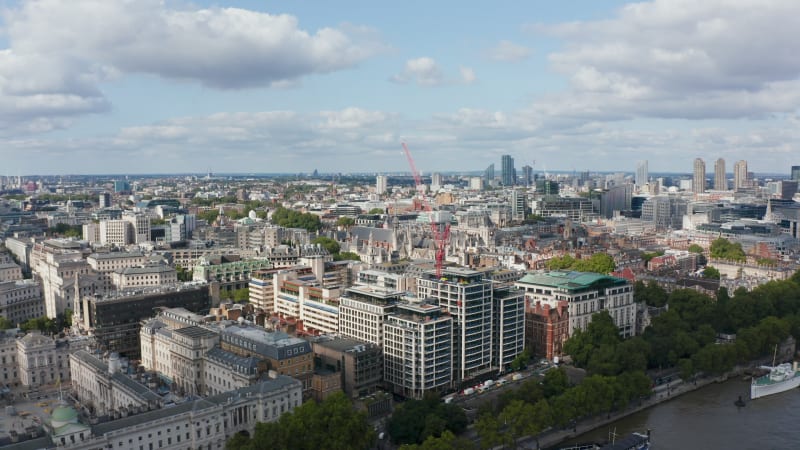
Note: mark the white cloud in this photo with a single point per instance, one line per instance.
(357, 139)
(60, 51)
(507, 51)
(467, 75)
(424, 71)
(680, 59)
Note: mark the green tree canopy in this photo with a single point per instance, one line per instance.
(711, 273)
(724, 249)
(345, 221)
(598, 263)
(5, 324)
(332, 424)
(377, 211)
(694, 248)
(294, 219)
(328, 244)
(415, 420)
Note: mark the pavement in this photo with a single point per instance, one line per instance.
(29, 408)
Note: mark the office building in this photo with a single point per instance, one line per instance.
(278, 351)
(527, 176)
(417, 351)
(140, 227)
(467, 296)
(519, 205)
(114, 318)
(364, 309)
(508, 174)
(795, 173)
(114, 232)
(664, 212)
(508, 328)
(104, 200)
(720, 178)
(359, 363)
(642, 175)
(585, 294)
(699, 176)
(488, 175)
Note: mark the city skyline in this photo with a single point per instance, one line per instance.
(90, 87)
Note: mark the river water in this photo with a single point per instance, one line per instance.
(708, 419)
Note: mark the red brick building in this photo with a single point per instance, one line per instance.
(546, 328)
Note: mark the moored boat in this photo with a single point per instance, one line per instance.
(780, 378)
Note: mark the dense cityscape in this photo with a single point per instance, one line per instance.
(417, 226)
(220, 295)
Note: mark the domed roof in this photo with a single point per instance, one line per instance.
(62, 415)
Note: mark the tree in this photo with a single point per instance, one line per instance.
(724, 249)
(414, 420)
(694, 248)
(183, 274)
(376, 211)
(331, 424)
(555, 382)
(346, 256)
(447, 441)
(5, 324)
(521, 360)
(241, 295)
(345, 221)
(488, 428)
(598, 263)
(711, 273)
(328, 244)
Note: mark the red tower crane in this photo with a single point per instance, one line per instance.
(440, 228)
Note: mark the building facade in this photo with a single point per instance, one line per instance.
(699, 176)
(467, 297)
(585, 294)
(418, 349)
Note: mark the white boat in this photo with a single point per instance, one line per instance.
(780, 378)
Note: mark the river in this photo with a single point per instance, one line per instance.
(707, 419)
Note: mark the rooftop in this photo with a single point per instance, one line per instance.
(571, 280)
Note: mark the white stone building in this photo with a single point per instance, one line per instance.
(41, 361)
(363, 311)
(585, 294)
(21, 300)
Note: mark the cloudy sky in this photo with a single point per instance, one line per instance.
(151, 86)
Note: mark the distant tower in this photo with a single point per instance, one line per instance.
(795, 174)
(488, 174)
(720, 179)
(104, 200)
(740, 175)
(436, 181)
(699, 178)
(642, 174)
(380, 184)
(527, 175)
(508, 172)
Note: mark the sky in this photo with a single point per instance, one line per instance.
(163, 86)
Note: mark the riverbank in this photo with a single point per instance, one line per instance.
(662, 394)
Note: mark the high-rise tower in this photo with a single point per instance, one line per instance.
(508, 174)
(380, 184)
(699, 178)
(641, 174)
(740, 175)
(720, 179)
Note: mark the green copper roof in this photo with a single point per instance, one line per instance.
(64, 414)
(571, 281)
